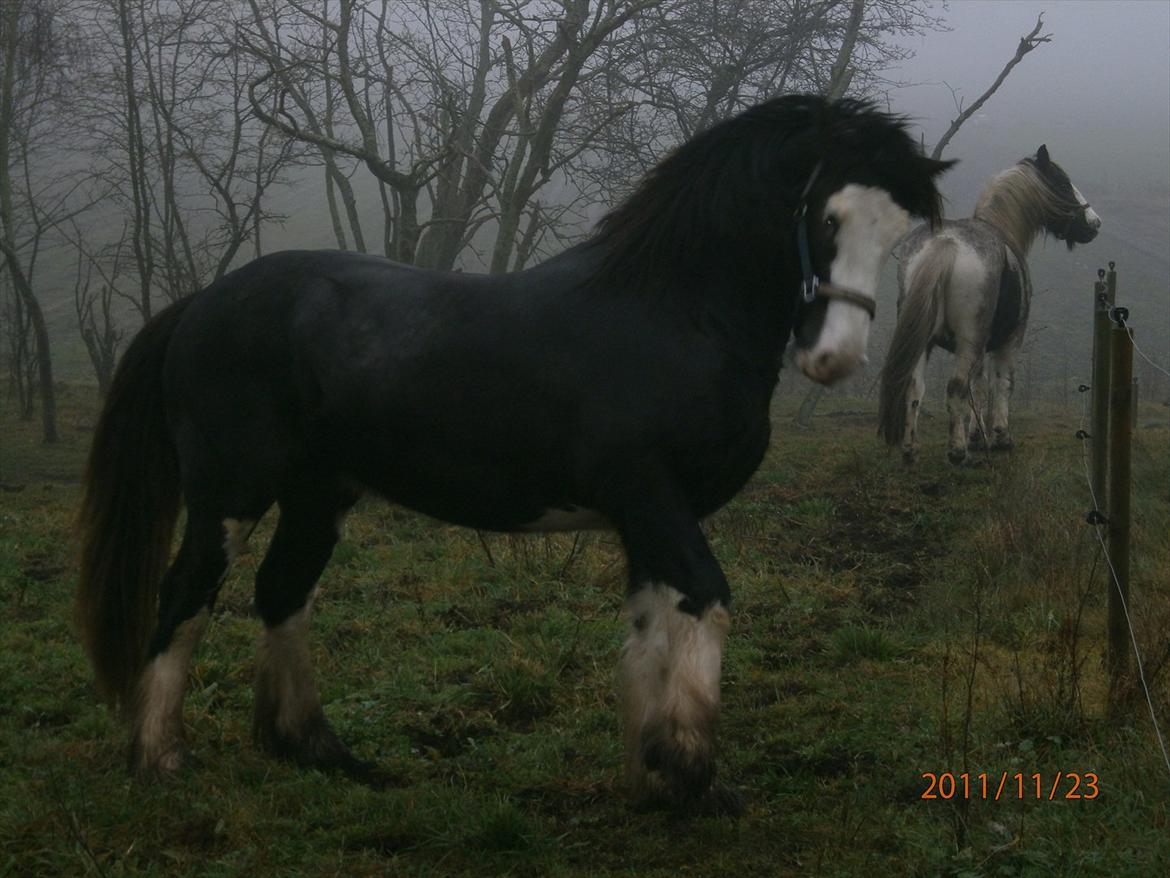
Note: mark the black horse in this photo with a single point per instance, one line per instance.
(624, 384)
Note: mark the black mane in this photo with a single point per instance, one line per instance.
(728, 193)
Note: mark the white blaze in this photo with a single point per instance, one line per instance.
(1091, 216)
(868, 224)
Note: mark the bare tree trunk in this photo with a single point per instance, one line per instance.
(141, 238)
(335, 178)
(527, 243)
(331, 203)
(21, 371)
(20, 283)
(842, 73)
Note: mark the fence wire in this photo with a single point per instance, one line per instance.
(1095, 524)
(1142, 354)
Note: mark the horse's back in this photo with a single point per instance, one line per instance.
(983, 291)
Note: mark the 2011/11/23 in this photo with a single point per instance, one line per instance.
(947, 785)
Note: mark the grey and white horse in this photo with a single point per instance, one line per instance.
(965, 287)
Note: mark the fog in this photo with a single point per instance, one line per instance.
(1098, 94)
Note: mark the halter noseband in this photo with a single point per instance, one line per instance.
(811, 286)
(1079, 211)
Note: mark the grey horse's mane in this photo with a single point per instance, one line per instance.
(1018, 201)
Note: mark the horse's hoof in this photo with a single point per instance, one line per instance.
(718, 800)
(684, 774)
(160, 766)
(1002, 442)
(976, 442)
(909, 455)
(317, 746)
(724, 800)
(957, 455)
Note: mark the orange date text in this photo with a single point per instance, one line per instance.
(1011, 785)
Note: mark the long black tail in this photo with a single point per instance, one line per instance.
(130, 502)
(912, 334)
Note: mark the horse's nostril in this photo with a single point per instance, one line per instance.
(824, 361)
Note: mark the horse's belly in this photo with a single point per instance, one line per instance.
(487, 492)
(571, 518)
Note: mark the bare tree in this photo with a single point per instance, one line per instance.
(439, 108)
(1027, 43)
(178, 148)
(95, 318)
(515, 119)
(35, 50)
(18, 341)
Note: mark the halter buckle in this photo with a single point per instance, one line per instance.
(810, 285)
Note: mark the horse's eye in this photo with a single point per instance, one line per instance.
(831, 225)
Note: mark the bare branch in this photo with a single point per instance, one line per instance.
(1028, 42)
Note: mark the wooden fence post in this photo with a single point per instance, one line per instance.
(1121, 375)
(1104, 294)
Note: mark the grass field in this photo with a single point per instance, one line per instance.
(886, 623)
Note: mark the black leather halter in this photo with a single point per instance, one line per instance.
(1079, 212)
(812, 287)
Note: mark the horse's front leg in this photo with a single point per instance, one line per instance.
(670, 667)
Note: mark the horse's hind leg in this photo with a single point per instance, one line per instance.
(1003, 378)
(186, 596)
(289, 721)
(977, 414)
(968, 365)
(913, 408)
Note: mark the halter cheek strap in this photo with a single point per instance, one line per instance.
(811, 286)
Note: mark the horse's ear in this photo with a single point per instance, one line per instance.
(1042, 155)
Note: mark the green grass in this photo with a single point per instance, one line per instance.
(886, 623)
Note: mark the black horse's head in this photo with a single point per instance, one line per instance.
(1068, 216)
(868, 177)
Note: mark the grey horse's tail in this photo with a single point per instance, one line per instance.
(916, 322)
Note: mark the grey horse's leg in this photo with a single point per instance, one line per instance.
(978, 414)
(968, 365)
(1003, 364)
(913, 407)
